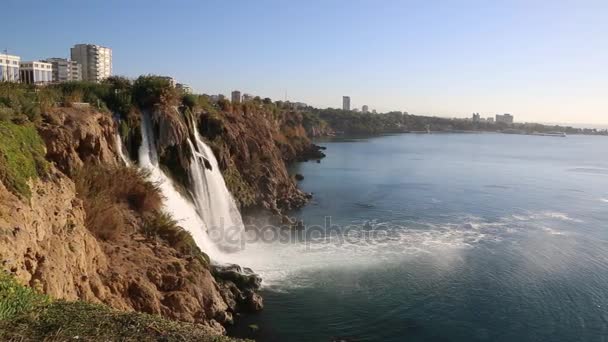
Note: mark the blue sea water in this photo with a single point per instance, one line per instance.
(445, 237)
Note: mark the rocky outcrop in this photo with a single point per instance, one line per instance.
(45, 244)
(253, 148)
(238, 287)
(75, 136)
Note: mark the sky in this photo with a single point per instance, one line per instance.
(543, 61)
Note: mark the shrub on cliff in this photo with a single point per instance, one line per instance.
(151, 90)
(112, 195)
(22, 154)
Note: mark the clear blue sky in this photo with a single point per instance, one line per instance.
(540, 60)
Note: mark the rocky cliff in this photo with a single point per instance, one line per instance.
(92, 230)
(254, 144)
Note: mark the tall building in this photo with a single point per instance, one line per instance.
(365, 109)
(65, 70)
(345, 102)
(236, 96)
(505, 118)
(36, 72)
(476, 117)
(247, 97)
(9, 68)
(96, 61)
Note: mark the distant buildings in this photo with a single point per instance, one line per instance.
(247, 97)
(476, 117)
(96, 61)
(505, 118)
(490, 119)
(36, 72)
(65, 70)
(184, 87)
(9, 68)
(236, 96)
(365, 109)
(345, 102)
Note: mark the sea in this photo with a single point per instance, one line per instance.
(441, 237)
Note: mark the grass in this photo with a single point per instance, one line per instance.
(26, 315)
(22, 154)
(111, 194)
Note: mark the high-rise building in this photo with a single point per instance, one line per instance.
(36, 72)
(365, 109)
(345, 102)
(247, 97)
(236, 96)
(9, 68)
(96, 61)
(476, 117)
(65, 70)
(505, 118)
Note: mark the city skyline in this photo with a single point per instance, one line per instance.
(484, 57)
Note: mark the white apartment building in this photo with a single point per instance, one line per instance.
(9, 68)
(36, 72)
(65, 70)
(96, 61)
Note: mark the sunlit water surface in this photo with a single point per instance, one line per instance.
(451, 237)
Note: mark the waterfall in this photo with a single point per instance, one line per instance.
(212, 216)
(182, 210)
(211, 196)
(120, 149)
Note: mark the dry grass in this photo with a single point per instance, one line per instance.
(113, 196)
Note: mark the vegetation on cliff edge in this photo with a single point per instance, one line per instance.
(26, 315)
(22, 154)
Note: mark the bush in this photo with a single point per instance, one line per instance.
(190, 101)
(112, 194)
(22, 154)
(151, 90)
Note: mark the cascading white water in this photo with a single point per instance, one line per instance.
(211, 196)
(175, 203)
(119, 148)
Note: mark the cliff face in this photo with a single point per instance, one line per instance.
(75, 136)
(58, 240)
(253, 147)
